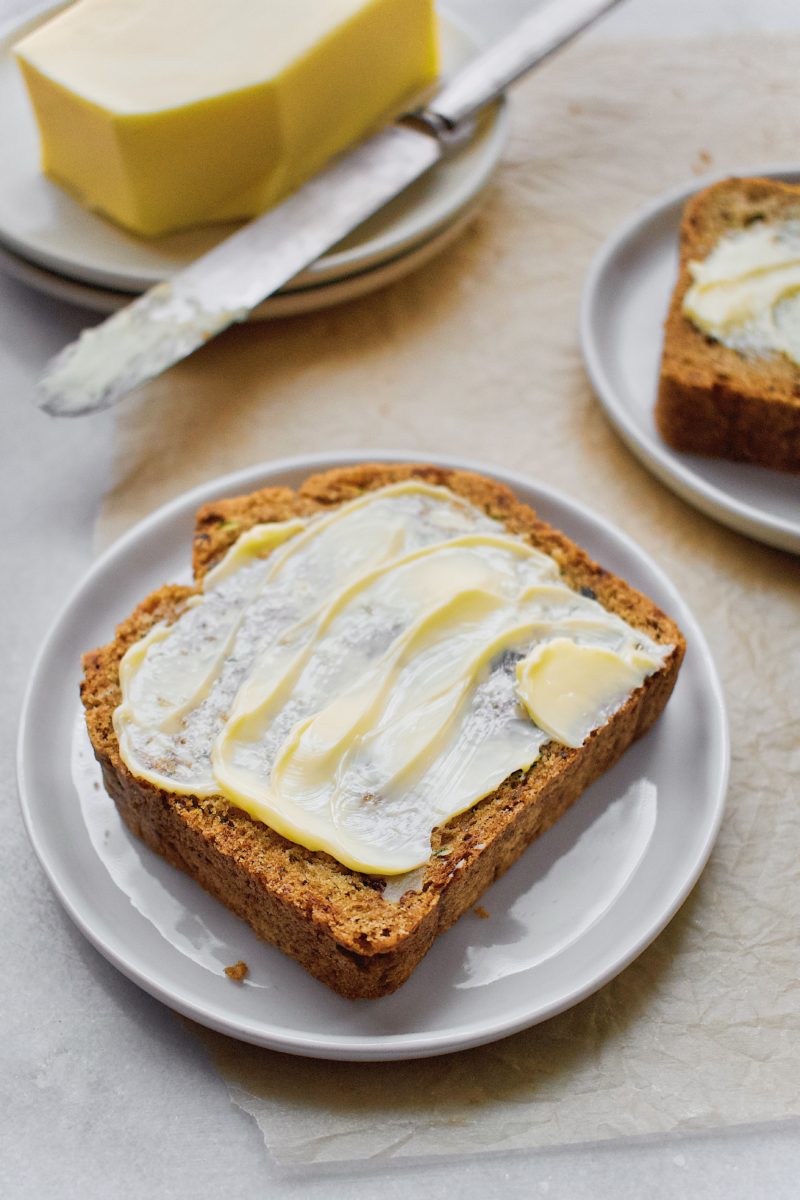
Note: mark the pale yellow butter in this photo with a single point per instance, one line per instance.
(568, 687)
(746, 293)
(357, 679)
(164, 114)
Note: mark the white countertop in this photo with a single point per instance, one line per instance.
(107, 1094)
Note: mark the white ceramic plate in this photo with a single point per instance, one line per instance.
(625, 301)
(290, 303)
(582, 902)
(40, 222)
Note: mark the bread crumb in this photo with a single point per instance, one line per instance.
(480, 911)
(702, 162)
(237, 972)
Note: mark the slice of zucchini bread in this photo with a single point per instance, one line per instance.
(337, 921)
(737, 398)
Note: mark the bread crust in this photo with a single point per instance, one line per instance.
(332, 920)
(712, 400)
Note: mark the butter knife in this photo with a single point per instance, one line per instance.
(174, 318)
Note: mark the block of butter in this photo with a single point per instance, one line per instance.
(165, 114)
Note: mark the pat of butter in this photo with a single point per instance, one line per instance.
(746, 293)
(569, 688)
(352, 681)
(164, 114)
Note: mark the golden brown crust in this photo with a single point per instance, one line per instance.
(711, 399)
(332, 920)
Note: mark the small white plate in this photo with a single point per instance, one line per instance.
(581, 903)
(625, 302)
(41, 222)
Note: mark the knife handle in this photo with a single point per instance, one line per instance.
(488, 76)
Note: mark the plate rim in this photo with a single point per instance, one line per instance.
(681, 478)
(330, 268)
(358, 1047)
(290, 303)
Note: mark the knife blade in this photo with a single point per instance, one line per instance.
(175, 317)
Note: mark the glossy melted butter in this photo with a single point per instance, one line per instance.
(746, 294)
(359, 678)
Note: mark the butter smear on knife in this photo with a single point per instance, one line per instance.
(166, 114)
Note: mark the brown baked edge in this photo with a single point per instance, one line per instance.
(717, 421)
(523, 807)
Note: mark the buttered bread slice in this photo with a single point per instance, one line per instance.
(730, 371)
(396, 673)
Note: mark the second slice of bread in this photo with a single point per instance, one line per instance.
(713, 400)
(337, 922)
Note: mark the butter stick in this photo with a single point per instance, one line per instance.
(167, 114)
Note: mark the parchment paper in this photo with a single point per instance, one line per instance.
(477, 354)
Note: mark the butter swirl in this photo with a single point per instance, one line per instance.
(356, 679)
(746, 293)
